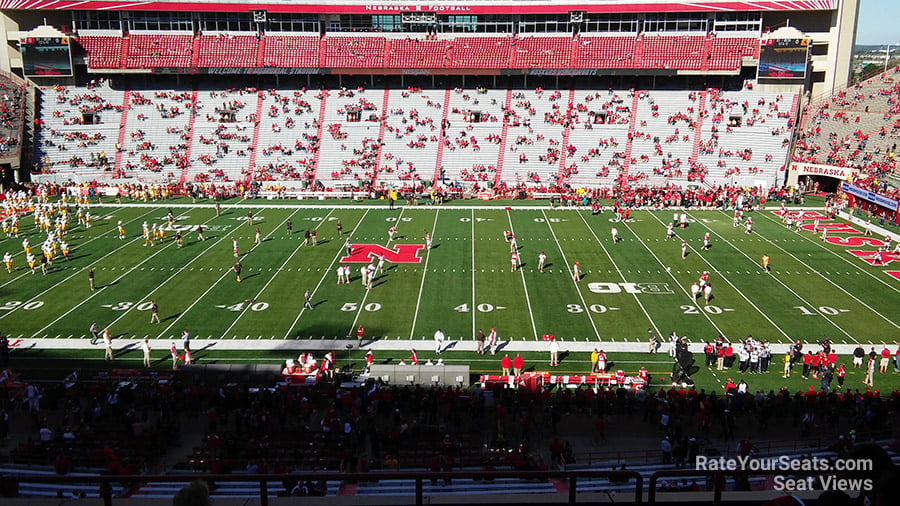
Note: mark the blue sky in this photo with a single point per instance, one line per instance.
(878, 22)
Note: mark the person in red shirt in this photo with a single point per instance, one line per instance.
(885, 358)
(832, 358)
(414, 358)
(807, 362)
(729, 356)
(370, 359)
(518, 363)
(840, 373)
(506, 364)
(897, 359)
(720, 358)
(359, 335)
(814, 363)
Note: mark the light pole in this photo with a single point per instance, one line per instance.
(887, 56)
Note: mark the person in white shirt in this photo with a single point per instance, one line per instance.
(541, 259)
(554, 352)
(438, 341)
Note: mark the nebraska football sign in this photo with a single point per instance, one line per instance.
(400, 254)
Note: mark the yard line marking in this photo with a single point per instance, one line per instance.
(773, 277)
(412, 330)
(577, 289)
(366, 295)
(472, 222)
(524, 285)
(331, 266)
(272, 278)
(817, 243)
(741, 293)
(224, 236)
(653, 323)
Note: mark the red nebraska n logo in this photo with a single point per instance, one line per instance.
(401, 254)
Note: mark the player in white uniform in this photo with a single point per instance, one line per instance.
(380, 264)
(749, 226)
(614, 232)
(868, 230)
(683, 219)
(492, 341)
(427, 241)
(234, 247)
(363, 273)
(670, 231)
(514, 262)
(541, 259)
(121, 228)
(576, 274)
(391, 232)
(370, 276)
(695, 290)
(705, 241)
(512, 244)
(8, 261)
(30, 259)
(340, 274)
(707, 293)
(683, 250)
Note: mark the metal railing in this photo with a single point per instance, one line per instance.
(105, 483)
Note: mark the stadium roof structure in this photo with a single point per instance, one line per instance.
(441, 7)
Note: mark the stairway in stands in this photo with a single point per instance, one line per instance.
(632, 124)
(195, 52)
(261, 53)
(251, 164)
(383, 115)
(126, 102)
(502, 153)
(439, 159)
(190, 132)
(123, 54)
(564, 147)
(698, 127)
(320, 123)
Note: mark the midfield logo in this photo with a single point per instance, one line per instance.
(401, 254)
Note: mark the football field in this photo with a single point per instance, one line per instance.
(462, 284)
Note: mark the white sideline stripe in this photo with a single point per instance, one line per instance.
(832, 282)
(259, 294)
(412, 329)
(524, 285)
(636, 299)
(806, 302)
(366, 294)
(577, 289)
(73, 275)
(327, 271)
(227, 271)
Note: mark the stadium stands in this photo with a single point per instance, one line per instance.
(476, 135)
(291, 51)
(159, 50)
(110, 50)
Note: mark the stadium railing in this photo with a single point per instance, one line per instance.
(106, 482)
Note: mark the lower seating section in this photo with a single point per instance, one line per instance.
(288, 143)
(159, 50)
(227, 50)
(291, 51)
(354, 52)
(352, 135)
(223, 131)
(79, 128)
(103, 52)
(12, 113)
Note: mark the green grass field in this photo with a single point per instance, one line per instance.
(462, 284)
